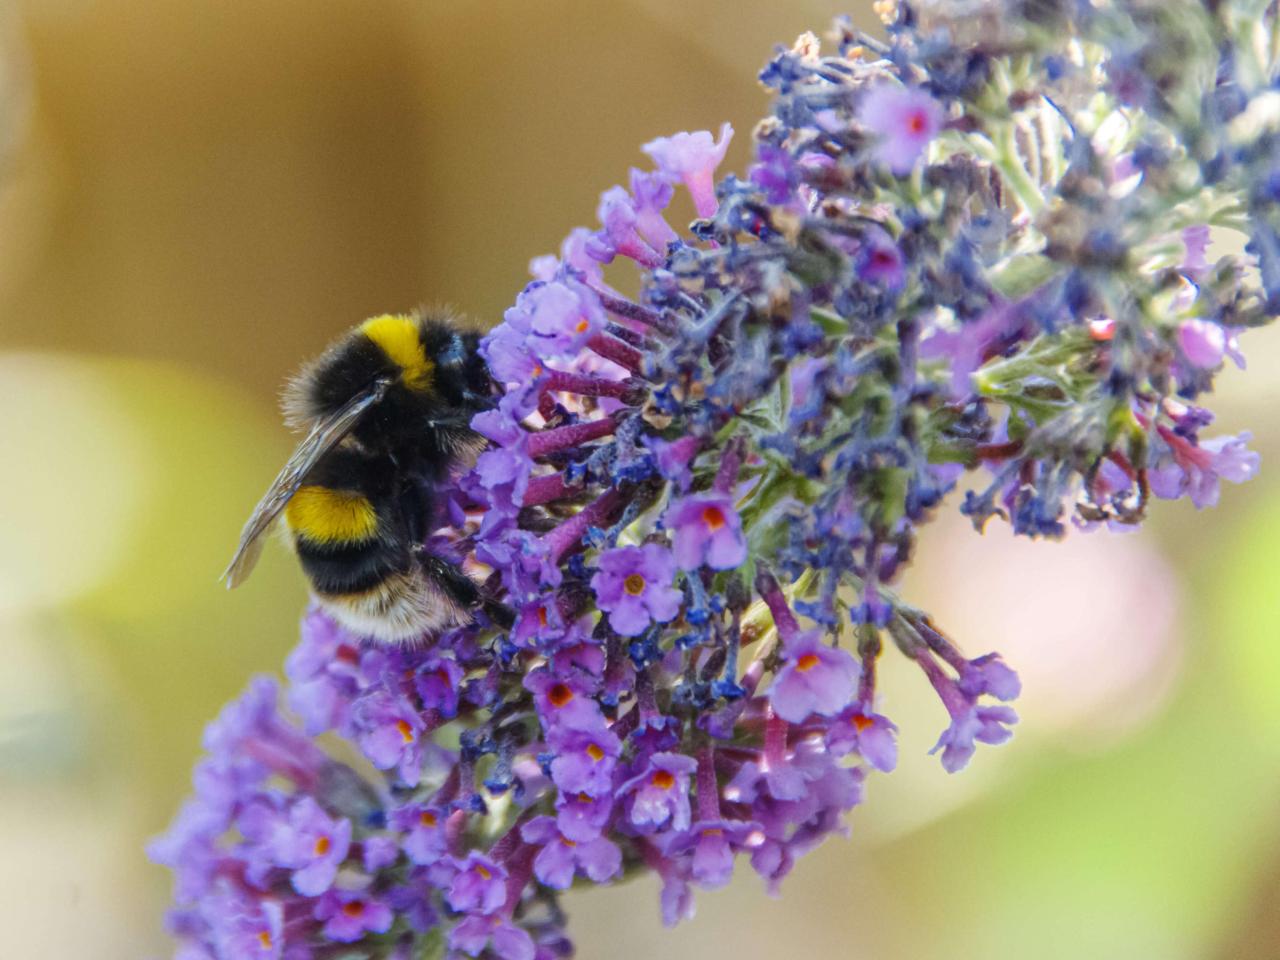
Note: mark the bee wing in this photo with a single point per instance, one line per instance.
(324, 436)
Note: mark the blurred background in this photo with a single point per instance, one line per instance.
(195, 196)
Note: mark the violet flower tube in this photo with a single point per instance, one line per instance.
(972, 257)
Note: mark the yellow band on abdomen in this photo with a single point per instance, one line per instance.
(323, 515)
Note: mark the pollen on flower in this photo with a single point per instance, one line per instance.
(807, 662)
(427, 818)
(406, 731)
(713, 517)
(322, 845)
(559, 694)
(663, 780)
(595, 753)
(485, 872)
(861, 721)
(264, 938)
(634, 584)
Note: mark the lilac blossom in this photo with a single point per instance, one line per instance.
(691, 505)
(349, 914)
(504, 939)
(815, 679)
(658, 797)
(903, 120)
(692, 158)
(561, 857)
(633, 586)
(479, 886)
(706, 529)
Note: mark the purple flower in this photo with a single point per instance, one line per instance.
(378, 852)
(1202, 342)
(984, 724)
(775, 173)
(651, 194)
(879, 260)
(621, 233)
(581, 816)
(245, 927)
(816, 678)
(872, 736)
(563, 316)
(706, 529)
(692, 158)
(1196, 469)
(710, 846)
(480, 885)
(388, 728)
(904, 120)
(633, 586)
(560, 857)
(349, 914)
(324, 674)
(564, 703)
(505, 940)
(989, 674)
(673, 458)
(307, 841)
(1195, 240)
(658, 798)
(584, 760)
(425, 841)
(506, 349)
(437, 681)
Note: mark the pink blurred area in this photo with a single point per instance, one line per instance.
(194, 197)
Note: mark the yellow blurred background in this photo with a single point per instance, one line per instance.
(195, 196)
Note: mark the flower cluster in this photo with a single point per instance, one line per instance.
(979, 248)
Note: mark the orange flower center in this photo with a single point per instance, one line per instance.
(483, 871)
(862, 722)
(713, 517)
(542, 616)
(322, 846)
(582, 326)
(427, 818)
(264, 938)
(406, 731)
(347, 654)
(663, 780)
(567, 842)
(354, 908)
(916, 122)
(559, 695)
(807, 662)
(595, 753)
(634, 585)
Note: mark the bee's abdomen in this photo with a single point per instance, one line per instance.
(343, 545)
(352, 568)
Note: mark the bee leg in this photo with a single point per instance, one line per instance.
(450, 578)
(502, 615)
(416, 506)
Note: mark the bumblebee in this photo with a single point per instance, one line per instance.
(387, 410)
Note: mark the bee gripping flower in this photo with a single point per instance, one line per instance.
(691, 504)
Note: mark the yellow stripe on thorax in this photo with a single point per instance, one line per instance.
(398, 338)
(331, 516)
